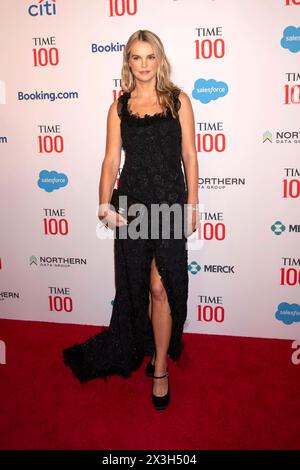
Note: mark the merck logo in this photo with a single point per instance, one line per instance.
(194, 267)
(43, 8)
(278, 227)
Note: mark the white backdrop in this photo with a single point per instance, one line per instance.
(244, 262)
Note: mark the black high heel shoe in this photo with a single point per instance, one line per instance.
(161, 403)
(149, 371)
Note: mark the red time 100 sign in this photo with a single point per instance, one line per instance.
(50, 143)
(54, 226)
(210, 143)
(209, 313)
(292, 94)
(289, 276)
(122, 7)
(207, 48)
(58, 303)
(291, 188)
(43, 57)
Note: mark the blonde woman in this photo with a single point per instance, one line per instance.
(153, 120)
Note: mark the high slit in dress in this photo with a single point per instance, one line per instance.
(152, 173)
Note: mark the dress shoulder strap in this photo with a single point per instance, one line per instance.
(122, 103)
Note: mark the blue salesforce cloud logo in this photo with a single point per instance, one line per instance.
(291, 39)
(51, 180)
(288, 313)
(209, 90)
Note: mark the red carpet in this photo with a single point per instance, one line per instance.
(226, 393)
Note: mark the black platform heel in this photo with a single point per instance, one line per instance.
(149, 371)
(161, 403)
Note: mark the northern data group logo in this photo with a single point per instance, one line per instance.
(281, 137)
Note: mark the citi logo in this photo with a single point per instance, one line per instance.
(43, 8)
(112, 47)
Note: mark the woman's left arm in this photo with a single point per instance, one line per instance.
(189, 152)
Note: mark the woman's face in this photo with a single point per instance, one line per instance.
(143, 61)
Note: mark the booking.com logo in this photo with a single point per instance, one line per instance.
(47, 95)
(43, 8)
(112, 47)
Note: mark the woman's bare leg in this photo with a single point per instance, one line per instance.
(150, 316)
(162, 328)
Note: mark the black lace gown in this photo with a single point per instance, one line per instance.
(152, 173)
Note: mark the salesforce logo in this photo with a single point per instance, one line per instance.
(209, 90)
(291, 39)
(43, 8)
(112, 47)
(288, 313)
(51, 180)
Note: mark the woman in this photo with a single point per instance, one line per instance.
(153, 120)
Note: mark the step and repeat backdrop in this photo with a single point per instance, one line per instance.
(60, 69)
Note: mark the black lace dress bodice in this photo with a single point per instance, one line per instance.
(152, 144)
(152, 173)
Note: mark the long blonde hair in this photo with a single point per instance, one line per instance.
(164, 86)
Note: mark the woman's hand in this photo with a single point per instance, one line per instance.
(110, 218)
(193, 217)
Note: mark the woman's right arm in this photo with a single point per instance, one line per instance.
(112, 158)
